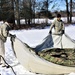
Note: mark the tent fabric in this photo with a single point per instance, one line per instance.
(36, 64)
(55, 41)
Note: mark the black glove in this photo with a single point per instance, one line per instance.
(62, 31)
(12, 37)
(50, 32)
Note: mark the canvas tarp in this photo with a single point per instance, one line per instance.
(55, 41)
(36, 64)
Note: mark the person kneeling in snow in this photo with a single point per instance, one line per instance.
(4, 32)
(58, 25)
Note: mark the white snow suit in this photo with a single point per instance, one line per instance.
(3, 37)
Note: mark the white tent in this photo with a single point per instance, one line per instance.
(36, 64)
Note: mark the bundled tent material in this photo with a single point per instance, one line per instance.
(36, 64)
(64, 57)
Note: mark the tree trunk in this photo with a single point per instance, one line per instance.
(67, 11)
(24, 11)
(31, 14)
(12, 10)
(17, 12)
(34, 3)
(70, 11)
(47, 12)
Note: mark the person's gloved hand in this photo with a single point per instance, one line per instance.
(50, 32)
(12, 37)
(63, 32)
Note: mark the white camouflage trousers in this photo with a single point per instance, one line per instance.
(2, 51)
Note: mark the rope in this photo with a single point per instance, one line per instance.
(12, 44)
(8, 66)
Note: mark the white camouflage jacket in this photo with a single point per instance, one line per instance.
(3, 31)
(58, 26)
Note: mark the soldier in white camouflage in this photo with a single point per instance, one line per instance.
(4, 32)
(58, 25)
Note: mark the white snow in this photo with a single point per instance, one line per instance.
(44, 20)
(37, 21)
(31, 37)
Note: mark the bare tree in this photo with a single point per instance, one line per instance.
(33, 9)
(17, 13)
(70, 11)
(28, 11)
(12, 10)
(73, 5)
(5, 8)
(67, 10)
(45, 7)
(25, 9)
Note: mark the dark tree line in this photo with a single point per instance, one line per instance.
(25, 9)
(28, 9)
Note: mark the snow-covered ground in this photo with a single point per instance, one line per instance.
(31, 37)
